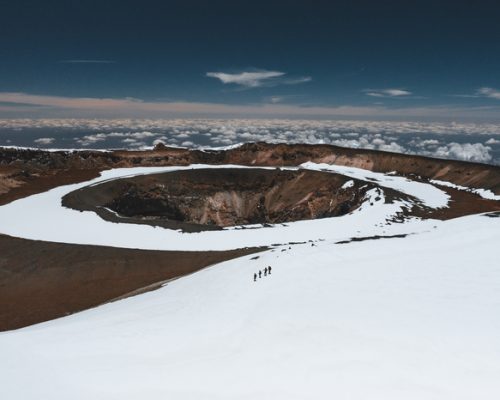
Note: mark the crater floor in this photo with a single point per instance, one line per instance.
(206, 199)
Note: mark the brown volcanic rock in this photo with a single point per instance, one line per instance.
(222, 197)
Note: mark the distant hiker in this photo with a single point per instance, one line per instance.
(260, 274)
(265, 271)
(254, 277)
(269, 270)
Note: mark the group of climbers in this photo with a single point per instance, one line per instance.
(267, 271)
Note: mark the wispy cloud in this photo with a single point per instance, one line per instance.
(489, 92)
(295, 81)
(44, 141)
(387, 92)
(253, 79)
(248, 79)
(278, 98)
(274, 99)
(77, 61)
(481, 92)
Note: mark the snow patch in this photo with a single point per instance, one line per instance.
(348, 184)
(429, 195)
(484, 193)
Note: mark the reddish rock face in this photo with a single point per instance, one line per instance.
(225, 197)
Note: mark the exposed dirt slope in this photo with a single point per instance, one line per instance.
(40, 281)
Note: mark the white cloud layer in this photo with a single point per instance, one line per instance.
(476, 152)
(464, 141)
(126, 137)
(146, 127)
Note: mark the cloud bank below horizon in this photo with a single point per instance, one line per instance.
(462, 141)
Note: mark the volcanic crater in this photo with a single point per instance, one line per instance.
(210, 199)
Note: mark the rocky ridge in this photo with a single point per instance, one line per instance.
(26, 171)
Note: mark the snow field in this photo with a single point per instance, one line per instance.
(400, 318)
(412, 318)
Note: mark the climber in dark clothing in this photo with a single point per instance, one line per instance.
(269, 270)
(260, 274)
(265, 271)
(254, 277)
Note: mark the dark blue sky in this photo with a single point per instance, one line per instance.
(390, 59)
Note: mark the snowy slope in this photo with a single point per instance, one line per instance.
(412, 318)
(401, 318)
